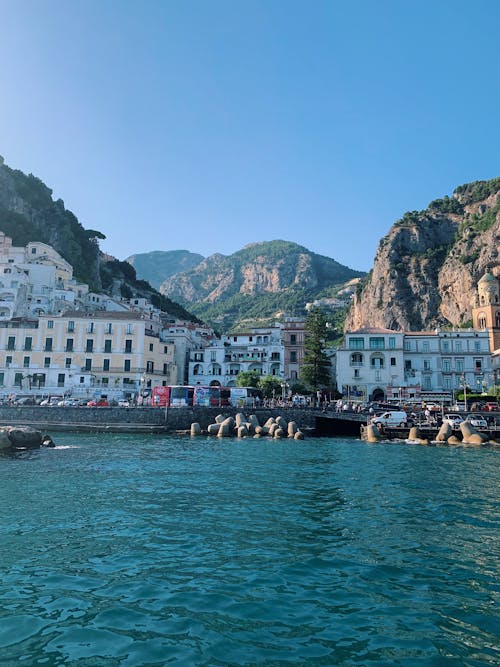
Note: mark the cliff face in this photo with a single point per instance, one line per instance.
(427, 267)
(28, 213)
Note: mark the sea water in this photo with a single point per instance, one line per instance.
(151, 550)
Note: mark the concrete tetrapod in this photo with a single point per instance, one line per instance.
(471, 436)
(444, 432)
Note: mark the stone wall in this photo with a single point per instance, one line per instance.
(171, 419)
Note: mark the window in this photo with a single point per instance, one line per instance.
(477, 346)
(28, 343)
(90, 327)
(88, 364)
(407, 346)
(105, 381)
(126, 365)
(376, 343)
(377, 362)
(446, 346)
(447, 382)
(426, 346)
(108, 328)
(33, 251)
(128, 346)
(1, 379)
(293, 357)
(11, 343)
(478, 365)
(150, 367)
(67, 362)
(458, 346)
(50, 324)
(18, 379)
(69, 344)
(60, 379)
(129, 329)
(407, 364)
(105, 365)
(165, 369)
(378, 376)
(427, 383)
(427, 365)
(71, 326)
(293, 339)
(48, 345)
(356, 343)
(26, 362)
(165, 349)
(356, 372)
(46, 362)
(392, 343)
(151, 347)
(393, 361)
(89, 347)
(213, 356)
(8, 361)
(107, 346)
(459, 364)
(446, 365)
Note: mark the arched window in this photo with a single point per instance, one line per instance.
(198, 369)
(481, 321)
(497, 319)
(377, 361)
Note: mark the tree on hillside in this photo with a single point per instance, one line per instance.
(248, 379)
(316, 367)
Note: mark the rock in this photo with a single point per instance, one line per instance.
(5, 442)
(453, 440)
(47, 441)
(213, 429)
(24, 436)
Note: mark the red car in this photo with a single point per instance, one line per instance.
(491, 407)
(99, 403)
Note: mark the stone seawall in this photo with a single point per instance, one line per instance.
(138, 419)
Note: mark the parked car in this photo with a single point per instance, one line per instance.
(52, 401)
(98, 403)
(491, 407)
(454, 419)
(478, 421)
(123, 403)
(68, 402)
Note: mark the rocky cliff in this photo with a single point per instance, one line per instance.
(427, 267)
(263, 280)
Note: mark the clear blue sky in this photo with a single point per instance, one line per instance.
(207, 125)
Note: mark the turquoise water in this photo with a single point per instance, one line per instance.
(133, 550)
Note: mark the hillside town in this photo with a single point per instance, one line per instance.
(57, 337)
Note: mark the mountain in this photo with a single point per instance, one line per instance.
(260, 282)
(28, 213)
(427, 267)
(157, 266)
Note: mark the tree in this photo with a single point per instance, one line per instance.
(316, 367)
(270, 385)
(248, 379)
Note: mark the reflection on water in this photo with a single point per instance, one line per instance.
(137, 550)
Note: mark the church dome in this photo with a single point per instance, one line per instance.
(488, 278)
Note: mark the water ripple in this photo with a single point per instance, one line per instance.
(128, 551)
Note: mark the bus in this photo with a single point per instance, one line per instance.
(160, 397)
(181, 396)
(245, 397)
(211, 396)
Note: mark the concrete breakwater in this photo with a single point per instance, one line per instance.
(139, 419)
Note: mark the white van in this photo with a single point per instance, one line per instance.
(392, 418)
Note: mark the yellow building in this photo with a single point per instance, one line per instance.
(111, 353)
(486, 311)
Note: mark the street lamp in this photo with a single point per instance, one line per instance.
(464, 384)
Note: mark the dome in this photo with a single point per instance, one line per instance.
(488, 278)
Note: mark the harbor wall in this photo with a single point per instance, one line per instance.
(138, 418)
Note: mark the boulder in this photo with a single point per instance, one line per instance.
(24, 436)
(213, 429)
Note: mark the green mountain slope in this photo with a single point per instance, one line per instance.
(157, 266)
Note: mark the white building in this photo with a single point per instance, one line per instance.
(260, 350)
(378, 364)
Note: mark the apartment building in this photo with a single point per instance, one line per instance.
(78, 353)
(378, 364)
